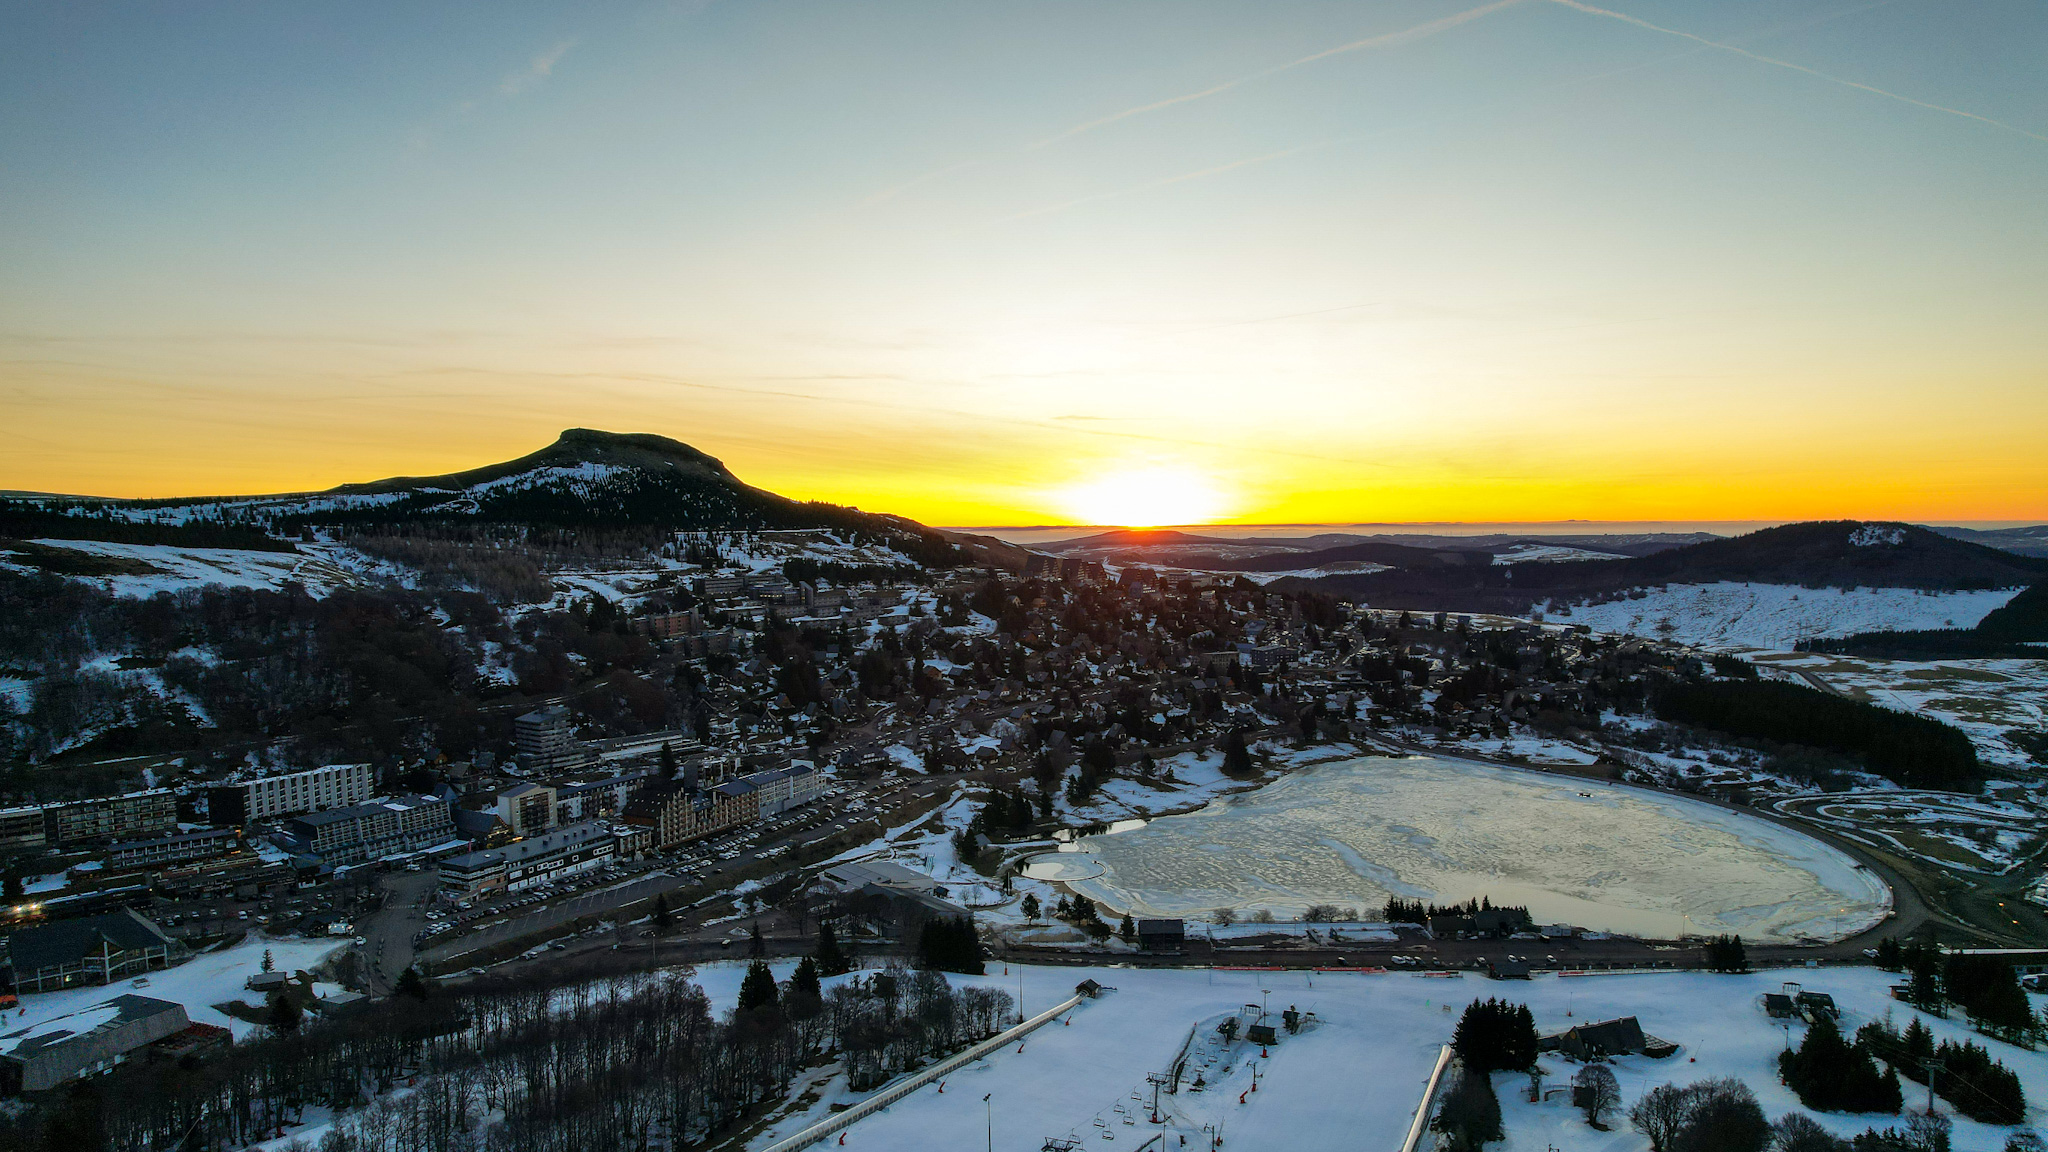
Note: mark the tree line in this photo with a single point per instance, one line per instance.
(1910, 750)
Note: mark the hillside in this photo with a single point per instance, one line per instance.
(1823, 554)
(586, 480)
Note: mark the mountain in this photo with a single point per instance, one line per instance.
(586, 479)
(1836, 554)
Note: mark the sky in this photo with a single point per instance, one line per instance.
(1056, 262)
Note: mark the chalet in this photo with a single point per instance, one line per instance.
(1618, 1037)
(1161, 935)
(89, 950)
(1814, 1005)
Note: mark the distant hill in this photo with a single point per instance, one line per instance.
(2028, 541)
(1391, 555)
(585, 479)
(1836, 553)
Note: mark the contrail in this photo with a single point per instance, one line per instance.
(1384, 40)
(1625, 18)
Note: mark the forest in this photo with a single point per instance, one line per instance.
(1910, 750)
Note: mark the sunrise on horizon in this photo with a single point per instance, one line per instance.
(1330, 262)
(1108, 575)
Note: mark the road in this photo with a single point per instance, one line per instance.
(387, 933)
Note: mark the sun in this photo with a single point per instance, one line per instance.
(1144, 497)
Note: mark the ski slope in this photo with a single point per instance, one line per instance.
(1775, 616)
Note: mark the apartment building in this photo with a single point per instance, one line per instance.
(241, 803)
(344, 836)
(134, 816)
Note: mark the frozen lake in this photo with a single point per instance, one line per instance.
(1611, 859)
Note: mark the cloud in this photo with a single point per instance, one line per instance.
(538, 69)
(1580, 6)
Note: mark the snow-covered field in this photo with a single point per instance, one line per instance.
(200, 983)
(1984, 698)
(1354, 832)
(1776, 616)
(1353, 1080)
(320, 568)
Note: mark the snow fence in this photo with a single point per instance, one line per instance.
(913, 1082)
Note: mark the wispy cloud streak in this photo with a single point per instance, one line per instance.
(1591, 10)
(1384, 40)
(537, 69)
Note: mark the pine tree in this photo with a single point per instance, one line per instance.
(661, 917)
(410, 984)
(285, 1012)
(831, 961)
(757, 988)
(1032, 908)
(269, 961)
(1726, 954)
(756, 947)
(1127, 930)
(805, 997)
(1237, 759)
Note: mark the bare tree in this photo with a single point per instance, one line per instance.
(1595, 1090)
(1660, 1114)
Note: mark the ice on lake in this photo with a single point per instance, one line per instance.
(1576, 852)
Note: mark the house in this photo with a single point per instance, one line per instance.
(266, 982)
(89, 950)
(1779, 1006)
(85, 1043)
(1618, 1037)
(1507, 970)
(1161, 935)
(1088, 989)
(1814, 1005)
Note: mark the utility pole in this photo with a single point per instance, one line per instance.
(988, 1114)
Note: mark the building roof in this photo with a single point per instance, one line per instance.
(562, 839)
(68, 941)
(25, 1044)
(358, 811)
(1156, 927)
(881, 873)
(1623, 1034)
